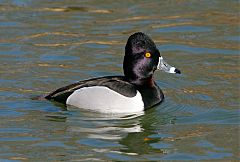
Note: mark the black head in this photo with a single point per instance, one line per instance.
(141, 58)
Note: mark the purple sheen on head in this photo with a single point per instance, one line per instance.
(136, 66)
(137, 49)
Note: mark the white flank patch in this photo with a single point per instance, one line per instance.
(103, 99)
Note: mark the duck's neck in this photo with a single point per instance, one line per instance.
(144, 82)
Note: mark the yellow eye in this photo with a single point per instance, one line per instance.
(148, 55)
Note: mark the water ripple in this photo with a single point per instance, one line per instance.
(197, 50)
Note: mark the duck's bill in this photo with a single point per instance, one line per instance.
(163, 65)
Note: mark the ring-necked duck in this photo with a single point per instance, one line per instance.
(133, 92)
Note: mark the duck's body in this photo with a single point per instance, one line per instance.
(135, 91)
(109, 94)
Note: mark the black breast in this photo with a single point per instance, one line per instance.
(151, 95)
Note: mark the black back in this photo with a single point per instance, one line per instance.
(116, 83)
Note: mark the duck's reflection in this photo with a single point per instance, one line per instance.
(104, 126)
(132, 133)
(141, 142)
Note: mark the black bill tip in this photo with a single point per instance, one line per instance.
(177, 71)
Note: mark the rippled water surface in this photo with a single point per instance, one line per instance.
(48, 44)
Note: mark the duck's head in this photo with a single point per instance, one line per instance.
(142, 59)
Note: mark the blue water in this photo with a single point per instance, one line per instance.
(45, 45)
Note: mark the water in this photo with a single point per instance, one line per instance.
(48, 44)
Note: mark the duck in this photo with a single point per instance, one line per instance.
(133, 92)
